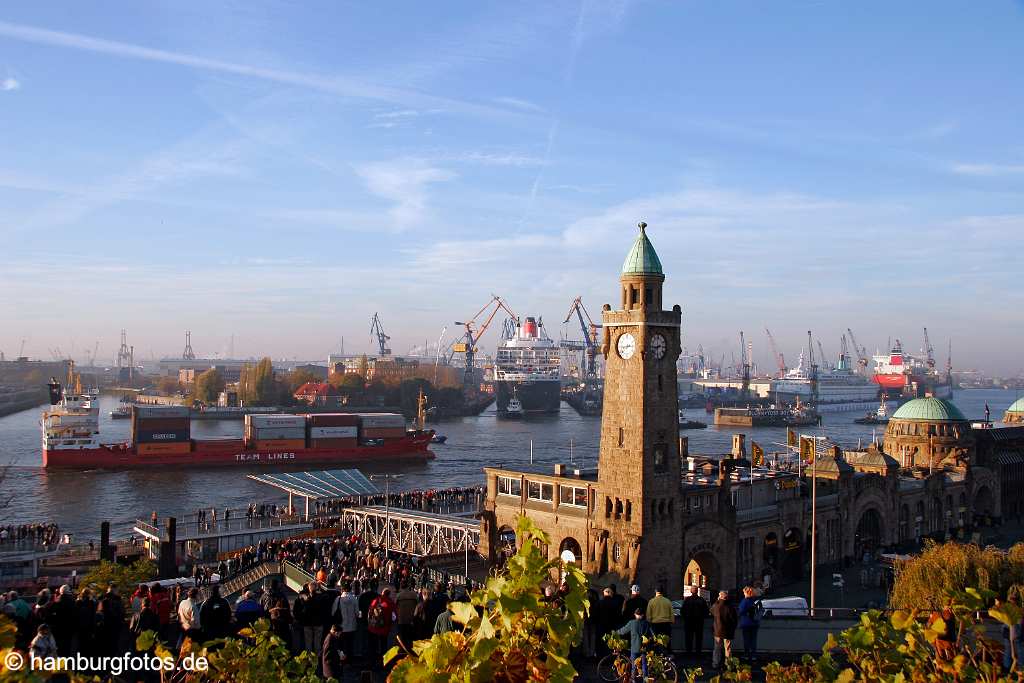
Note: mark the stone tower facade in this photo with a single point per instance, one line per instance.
(638, 514)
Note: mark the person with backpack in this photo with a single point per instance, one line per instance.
(750, 612)
(637, 629)
(378, 623)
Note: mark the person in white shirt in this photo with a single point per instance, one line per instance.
(188, 616)
(346, 613)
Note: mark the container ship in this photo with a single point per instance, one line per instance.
(900, 374)
(527, 368)
(836, 385)
(161, 436)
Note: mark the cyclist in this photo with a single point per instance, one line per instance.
(637, 629)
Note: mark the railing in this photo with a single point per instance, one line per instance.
(193, 529)
(243, 580)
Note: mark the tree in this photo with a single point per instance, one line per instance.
(922, 581)
(168, 386)
(264, 387)
(125, 577)
(364, 367)
(510, 632)
(296, 378)
(208, 386)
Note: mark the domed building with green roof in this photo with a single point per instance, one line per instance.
(1015, 413)
(929, 433)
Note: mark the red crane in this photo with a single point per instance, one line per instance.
(473, 332)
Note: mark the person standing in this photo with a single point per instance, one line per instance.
(215, 615)
(750, 622)
(346, 615)
(188, 617)
(43, 645)
(379, 620)
(61, 618)
(634, 602)
(405, 608)
(660, 614)
(281, 621)
(608, 612)
(695, 609)
(85, 623)
(725, 621)
(333, 654)
(111, 610)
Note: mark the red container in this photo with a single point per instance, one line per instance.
(158, 423)
(220, 445)
(332, 420)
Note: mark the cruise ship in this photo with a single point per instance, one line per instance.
(527, 371)
(838, 385)
(899, 373)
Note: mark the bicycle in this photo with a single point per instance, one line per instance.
(617, 667)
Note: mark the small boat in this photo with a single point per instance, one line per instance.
(686, 423)
(438, 438)
(123, 411)
(879, 417)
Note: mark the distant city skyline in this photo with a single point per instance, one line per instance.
(279, 173)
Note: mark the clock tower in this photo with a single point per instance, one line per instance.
(637, 515)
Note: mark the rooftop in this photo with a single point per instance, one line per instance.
(642, 259)
(1017, 407)
(929, 410)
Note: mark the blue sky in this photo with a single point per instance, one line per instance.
(280, 171)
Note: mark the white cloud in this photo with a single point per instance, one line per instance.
(987, 169)
(10, 83)
(518, 103)
(404, 182)
(500, 159)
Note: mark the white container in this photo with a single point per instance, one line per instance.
(161, 412)
(277, 421)
(277, 433)
(333, 432)
(381, 420)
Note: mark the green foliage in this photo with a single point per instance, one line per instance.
(922, 582)
(208, 386)
(255, 656)
(905, 646)
(168, 386)
(296, 378)
(510, 631)
(257, 386)
(125, 577)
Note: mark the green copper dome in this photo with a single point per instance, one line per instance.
(642, 259)
(1017, 407)
(929, 410)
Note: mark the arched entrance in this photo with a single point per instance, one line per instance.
(792, 555)
(983, 507)
(770, 551)
(572, 546)
(507, 545)
(868, 537)
(703, 574)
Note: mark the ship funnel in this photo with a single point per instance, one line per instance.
(56, 392)
(530, 328)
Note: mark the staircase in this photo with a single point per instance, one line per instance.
(240, 582)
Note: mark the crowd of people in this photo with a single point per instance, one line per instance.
(425, 500)
(30, 534)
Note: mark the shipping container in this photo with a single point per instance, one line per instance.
(154, 423)
(163, 448)
(220, 444)
(325, 444)
(282, 421)
(381, 420)
(160, 436)
(384, 433)
(332, 420)
(279, 444)
(333, 432)
(272, 433)
(159, 411)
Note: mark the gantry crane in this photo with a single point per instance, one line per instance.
(589, 329)
(780, 360)
(862, 355)
(377, 330)
(821, 354)
(473, 333)
(744, 366)
(814, 370)
(929, 351)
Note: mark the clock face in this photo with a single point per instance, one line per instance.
(626, 346)
(658, 346)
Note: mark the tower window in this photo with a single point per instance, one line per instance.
(618, 508)
(622, 437)
(633, 292)
(607, 507)
(660, 459)
(648, 296)
(659, 384)
(629, 510)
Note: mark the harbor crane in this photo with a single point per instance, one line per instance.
(862, 354)
(744, 366)
(589, 329)
(928, 349)
(821, 354)
(475, 330)
(377, 330)
(188, 353)
(780, 360)
(814, 371)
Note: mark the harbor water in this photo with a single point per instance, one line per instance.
(80, 501)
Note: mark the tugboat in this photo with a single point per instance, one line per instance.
(123, 411)
(879, 417)
(514, 408)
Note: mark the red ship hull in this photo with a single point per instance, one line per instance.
(123, 456)
(891, 381)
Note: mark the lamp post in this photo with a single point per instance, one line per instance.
(387, 507)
